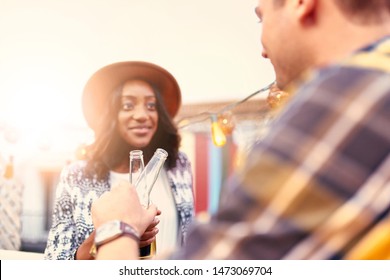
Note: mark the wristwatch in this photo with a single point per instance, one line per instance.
(110, 231)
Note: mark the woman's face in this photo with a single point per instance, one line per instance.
(137, 117)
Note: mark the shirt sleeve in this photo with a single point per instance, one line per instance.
(62, 239)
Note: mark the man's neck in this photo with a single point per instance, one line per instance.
(339, 36)
(344, 44)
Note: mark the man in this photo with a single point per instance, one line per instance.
(318, 184)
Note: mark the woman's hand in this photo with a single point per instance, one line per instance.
(150, 233)
(83, 252)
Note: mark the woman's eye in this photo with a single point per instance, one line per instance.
(151, 106)
(127, 106)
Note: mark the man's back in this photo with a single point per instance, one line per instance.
(320, 180)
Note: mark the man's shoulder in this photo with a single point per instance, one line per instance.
(337, 81)
(348, 74)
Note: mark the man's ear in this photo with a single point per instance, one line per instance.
(306, 10)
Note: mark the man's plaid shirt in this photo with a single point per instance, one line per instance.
(319, 181)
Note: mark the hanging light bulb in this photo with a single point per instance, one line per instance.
(226, 122)
(219, 138)
(9, 169)
(276, 97)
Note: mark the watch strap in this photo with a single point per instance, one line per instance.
(129, 231)
(124, 230)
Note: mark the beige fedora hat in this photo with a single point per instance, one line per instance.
(105, 80)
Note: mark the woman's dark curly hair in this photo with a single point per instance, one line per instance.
(110, 150)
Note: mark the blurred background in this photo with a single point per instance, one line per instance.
(48, 50)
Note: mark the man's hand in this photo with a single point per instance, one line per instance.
(122, 203)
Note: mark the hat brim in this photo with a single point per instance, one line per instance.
(105, 80)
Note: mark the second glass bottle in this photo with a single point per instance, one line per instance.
(144, 178)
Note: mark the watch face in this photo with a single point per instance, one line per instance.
(107, 232)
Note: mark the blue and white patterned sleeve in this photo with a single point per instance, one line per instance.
(61, 243)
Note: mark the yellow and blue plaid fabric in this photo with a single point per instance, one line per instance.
(319, 182)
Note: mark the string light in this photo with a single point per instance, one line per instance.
(218, 136)
(276, 97)
(9, 169)
(226, 122)
(222, 121)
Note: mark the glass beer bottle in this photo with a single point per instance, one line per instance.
(136, 165)
(144, 181)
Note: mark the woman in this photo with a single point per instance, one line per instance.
(129, 105)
